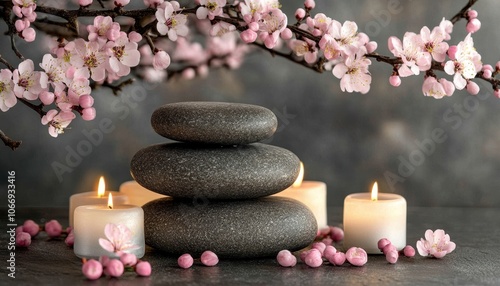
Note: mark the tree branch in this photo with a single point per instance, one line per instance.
(13, 144)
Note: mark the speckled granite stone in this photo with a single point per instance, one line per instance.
(214, 122)
(203, 171)
(233, 229)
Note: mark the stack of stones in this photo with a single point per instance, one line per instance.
(219, 181)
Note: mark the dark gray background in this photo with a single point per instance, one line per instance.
(346, 140)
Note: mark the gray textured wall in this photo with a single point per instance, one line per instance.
(345, 140)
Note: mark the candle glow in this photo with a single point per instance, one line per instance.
(375, 192)
(300, 177)
(110, 201)
(101, 188)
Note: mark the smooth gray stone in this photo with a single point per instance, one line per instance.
(233, 229)
(202, 171)
(214, 122)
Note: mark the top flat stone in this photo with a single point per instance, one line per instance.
(214, 122)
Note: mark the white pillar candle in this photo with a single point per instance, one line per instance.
(94, 198)
(310, 193)
(367, 220)
(91, 220)
(137, 194)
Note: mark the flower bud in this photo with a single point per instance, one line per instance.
(208, 258)
(161, 60)
(336, 233)
(356, 256)
(92, 269)
(31, 227)
(23, 239)
(300, 14)
(395, 81)
(88, 113)
(114, 268)
(319, 246)
(409, 251)
(286, 259)
(309, 4)
(128, 259)
(313, 258)
(329, 252)
(473, 26)
(472, 87)
(185, 261)
(53, 228)
(337, 259)
(392, 256)
(143, 268)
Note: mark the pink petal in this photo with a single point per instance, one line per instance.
(106, 245)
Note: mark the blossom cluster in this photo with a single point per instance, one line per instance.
(94, 269)
(165, 36)
(30, 229)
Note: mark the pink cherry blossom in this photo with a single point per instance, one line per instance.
(433, 42)
(119, 239)
(411, 53)
(466, 65)
(104, 28)
(123, 55)
(210, 9)
(473, 26)
(354, 74)
(346, 36)
(153, 3)
(121, 3)
(27, 82)
(356, 256)
(331, 49)
(70, 239)
(88, 113)
(84, 3)
(89, 55)
(320, 24)
(248, 36)
(53, 67)
(395, 80)
(436, 244)
(300, 13)
(7, 97)
(306, 49)
(171, 23)
(270, 27)
(57, 121)
(309, 4)
(447, 27)
(472, 87)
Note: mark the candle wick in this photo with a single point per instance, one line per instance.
(110, 207)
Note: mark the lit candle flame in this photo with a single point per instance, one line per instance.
(110, 201)
(300, 177)
(101, 188)
(375, 192)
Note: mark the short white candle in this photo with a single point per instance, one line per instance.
(366, 221)
(137, 194)
(310, 193)
(89, 227)
(94, 198)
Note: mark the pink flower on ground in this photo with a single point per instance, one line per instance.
(313, 258)
(354, 74)
(329, 251)
(270, 27)
(208, 258)
(170, 23)
(114, 268)
(436, 244)
(119, 239)
(92, 269)
(7, 96)
(28, 82)
(53, 228)
(210, 9)
(23, 239)
(143, 268)
(392, 256)
(286, 259)
(466, 64)
(128, 259)
(31, 227)
(337, 259)
(336, 233)
(409, 251)
(185, 261)
(356, 256)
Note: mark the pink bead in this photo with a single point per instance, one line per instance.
(336, 233)
(208, 258)
(472, 14)
(88, 113)
(329, 252)
(472, 87)
(313, 258)
(337, 259)
(53, 228)
(23, 239)
(143, 268)
(286, 259)
(86, 101)
(309, 4)
(185, 261)
(473, 26)
(382, 243)
(300, 14)
(409, 251)
(392, 256)
(389, 247)
(92, 269)
(319, 246)
(128, 259)
(395, 80)
(356, 256)
(31, 227)
(114, 268)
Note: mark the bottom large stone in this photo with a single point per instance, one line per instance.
(233, 229)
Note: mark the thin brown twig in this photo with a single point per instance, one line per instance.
(13, 144)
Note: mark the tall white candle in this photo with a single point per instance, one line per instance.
(91, 220)
(137, 194)
(94, 198)
(310, 193)
(367, 220)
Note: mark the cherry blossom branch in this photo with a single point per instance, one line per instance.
(462, 14)
(37, 108)
(12, 144)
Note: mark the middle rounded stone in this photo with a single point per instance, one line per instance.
(201, 171)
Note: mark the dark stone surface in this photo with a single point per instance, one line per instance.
(214, 122)
(232, 229)
(215, 172)
(474, 261)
